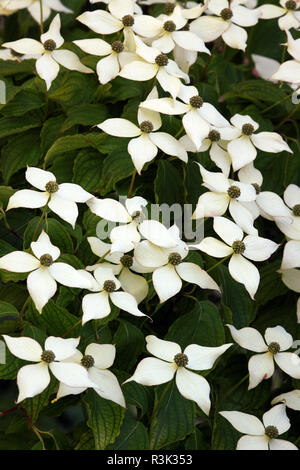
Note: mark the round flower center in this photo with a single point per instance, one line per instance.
(181, 360)
(117, 46)
(48, 357)
(146, 126)
(169, 26)
(271, 432)
(175, 259)
(291, 5)
(296, 210)
(109, 286)
(169, 7)
(256, 187)
(226, 14)
(238, 247)
(196, 101)
(234, 192)
(162, 60)
(274, 348)
(46, 260)
(87, 361)
(214, 136)
(126, 261)
(247, 129)
(128, 20)
(49, 45)
(51, 187)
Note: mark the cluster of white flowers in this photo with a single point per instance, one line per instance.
(162, 49)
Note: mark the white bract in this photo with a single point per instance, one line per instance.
(34, 7)
(261, 435)
(227, 23)
(96, 360)
(169, 360)
(34, 378)
(105, 285)
(289, 71)
(271, 347)
(60, 198)
(48, 53)
(288, 13)
(290, 399)
(239, 249)
(44, 271)
(146, 142)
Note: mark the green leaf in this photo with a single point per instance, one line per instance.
(24, 101)
(58, 234)
(105, 419)
(86, 115)
(133, 436)
(256, 91)
(34, 406)
(15, 125)
(116, 167)
(66, 144)
(86, 441)
(87, 169)
(7, 309)
(168, 184)
(55, 320)
(130, 343)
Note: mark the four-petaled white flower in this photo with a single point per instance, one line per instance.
(34, 378)
(44, 271)
(290, 399)
(239, 248)
(288, 13)
(60, 198)
(261, 435)
(48, 53)
(170, 360)
(34, 7)
(261, 366)
(289, 71)
(96, 359)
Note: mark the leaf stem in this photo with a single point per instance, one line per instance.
(131, 183)
(41, 16)
(217, 264)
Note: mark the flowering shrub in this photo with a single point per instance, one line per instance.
(150, 224)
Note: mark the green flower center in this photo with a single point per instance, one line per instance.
(296, 210)
(196, 101)
(256, 187)
(87, 361)
(175, 259)
(109, 286)
(117, 46)
(271, 432)
(128, 20)
(238, 247)
(126, 261)
(274, 347)
(49, 45)
(51, 187)
(181, 360)
(146, 126)
(247, 129)
(162, 60)
(48, 357)
(46, 260)
(170, 26)
(234, 192)
(214, 136)
(291, 5)
(226, 14)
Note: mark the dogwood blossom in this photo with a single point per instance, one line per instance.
(239, 248)
(33, 379)
(170, 361)
(261, 435)
(290, 399)
(289, 71)
(48, 53)
(288, 13)
(96, 359)
(271, 347)
(60, 198)
(44, 271)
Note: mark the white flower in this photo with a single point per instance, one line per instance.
(251, 175)
(261, 435)
(291, 278)
(171, 361)
(225, 193)
(130, 282)
(289, 71)
(242, 149)
(290, 399)
(144, 147)
(105, 286)
(289, 16)
(271, 347)
(34, 378)
(239, 248)
(44, 272)
(34, 7)
(124, 237)
(227, 23)
(96, 360)
(60, 198)
(153, 63)
(48, 54)
(265, 67)
(198, 115)
(291, 255)
(169, 269)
